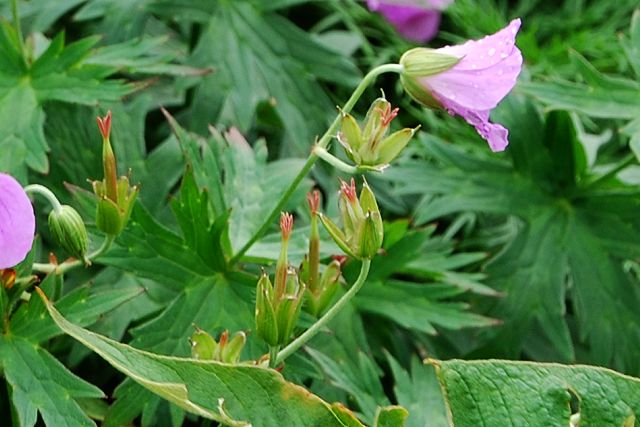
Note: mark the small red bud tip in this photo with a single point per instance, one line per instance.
(53, 259)
(313, 197)
(387, 115)
(340, 258)
(104, 124)
(224, 337)
(7, 278)
(349, 190)
(286, 224)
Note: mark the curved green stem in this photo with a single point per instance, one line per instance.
(330, 314)
(69, 265)
(333, 160)
(48, 194)
(323, 142)
(273, 356)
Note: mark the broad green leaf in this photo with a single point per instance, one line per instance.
(40, 383)
(390, 416)
(514, 394)
(232, 394)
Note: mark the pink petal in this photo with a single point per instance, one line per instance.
(17, 222)
(496, 135)
(415, 20)
(486, 52)
(477, 89)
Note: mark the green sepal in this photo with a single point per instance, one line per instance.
(108, 217)
(336, 234)
(266, 324)
(370, 239)
(369, 204)
(392, 145)
(329, 283)
(425, 62)
(373, 120)
(418, 92)
(203, 345)
(230, 353)
(350, 135)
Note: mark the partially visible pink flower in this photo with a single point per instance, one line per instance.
(415, 20)
(17, 222)
(485, 71)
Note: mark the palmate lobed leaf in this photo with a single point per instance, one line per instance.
(249, 393)
(511, 394)
(262, 56)
(40, 383)
(569, 247)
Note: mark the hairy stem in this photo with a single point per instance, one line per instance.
(16, 22)
(69, 265)
(48, 194)
(323, 142)
(330, 314)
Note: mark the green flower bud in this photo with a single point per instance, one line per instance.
(230, 352)
(266, 324)
(362, 233)
(370, 147)
(318, 300)
(203, 345)
(68, 230)
(115, 195)
(423, 62)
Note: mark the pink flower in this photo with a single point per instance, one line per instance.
(480, 74)
(416, 20)
(17, 222)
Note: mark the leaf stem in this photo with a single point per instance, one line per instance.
(69, 265)
(48, 194)
(16, 22)
(273, 356)
(333, 160)
(330, 314)
(323, 142)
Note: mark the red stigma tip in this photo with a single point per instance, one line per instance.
(286, 224)
(349, 190)
(388, 115)
(313, 198)
(104, 124)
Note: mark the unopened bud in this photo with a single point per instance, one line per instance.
(203, 345)
(68, 230)
(7, 278)
(116, 196)
(266, 325)
(319, 299)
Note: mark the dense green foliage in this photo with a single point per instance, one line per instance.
(531, 254)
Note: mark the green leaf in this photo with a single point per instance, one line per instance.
(249, 393)
(566, 248)
(59, 73)
(284, 70)
(390, 416)
(522, 393)
(418, 391)
(39, 383)
(81, 305)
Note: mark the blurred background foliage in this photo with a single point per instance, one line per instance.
(530, 254)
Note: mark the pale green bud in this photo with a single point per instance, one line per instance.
(68, 230)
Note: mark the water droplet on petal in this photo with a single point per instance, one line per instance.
(500, 72)
(492, 51)
(503, 55)
(474, 66)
